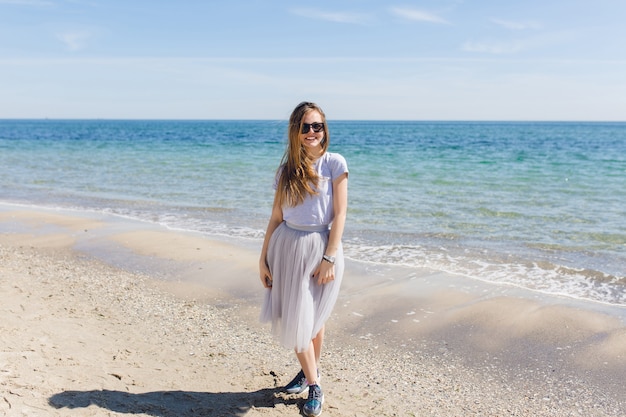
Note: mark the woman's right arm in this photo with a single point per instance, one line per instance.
(276, 219)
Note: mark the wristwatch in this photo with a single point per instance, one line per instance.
(329, 259)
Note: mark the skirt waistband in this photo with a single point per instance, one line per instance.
(316, 228)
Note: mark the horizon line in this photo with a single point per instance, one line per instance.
(147, 119)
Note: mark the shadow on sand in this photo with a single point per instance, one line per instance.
(173, 403)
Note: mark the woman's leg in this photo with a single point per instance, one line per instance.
(310, 359)
(317, 345)
(308, 364)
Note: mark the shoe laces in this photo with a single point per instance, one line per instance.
(315, 392)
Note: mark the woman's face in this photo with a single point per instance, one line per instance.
(311, 140)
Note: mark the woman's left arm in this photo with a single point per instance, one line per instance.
(326, 270)
(340, 208)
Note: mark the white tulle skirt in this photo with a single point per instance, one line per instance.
(296, 305)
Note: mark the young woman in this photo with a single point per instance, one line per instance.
(301, 262)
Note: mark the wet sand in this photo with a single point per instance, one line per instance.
(103, 316)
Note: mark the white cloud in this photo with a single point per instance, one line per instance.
(519, 25)
(417, 15)
(74, 41)
(478, 88)
(493, 47)
(517, 45)
(337, 17)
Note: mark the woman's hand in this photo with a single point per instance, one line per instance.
(324, 273)
(264, 274)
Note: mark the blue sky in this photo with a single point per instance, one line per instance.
(359, 59)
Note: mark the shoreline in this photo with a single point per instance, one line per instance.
(104, 338)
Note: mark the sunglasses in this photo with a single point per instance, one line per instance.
(317, 127)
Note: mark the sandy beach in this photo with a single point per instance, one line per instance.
(109, 317)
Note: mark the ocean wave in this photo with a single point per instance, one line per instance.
(484, 265)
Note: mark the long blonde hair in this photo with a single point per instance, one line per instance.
(298, 179)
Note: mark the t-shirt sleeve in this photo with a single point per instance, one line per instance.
(338, 165)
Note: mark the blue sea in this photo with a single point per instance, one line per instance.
(540, 206)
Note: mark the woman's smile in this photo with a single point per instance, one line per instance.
(311, 139)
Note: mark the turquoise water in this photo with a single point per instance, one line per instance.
(536, 205)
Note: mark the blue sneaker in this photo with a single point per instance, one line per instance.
(313, 405)
(299, 383)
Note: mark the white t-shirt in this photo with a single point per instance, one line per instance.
(317, 210)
